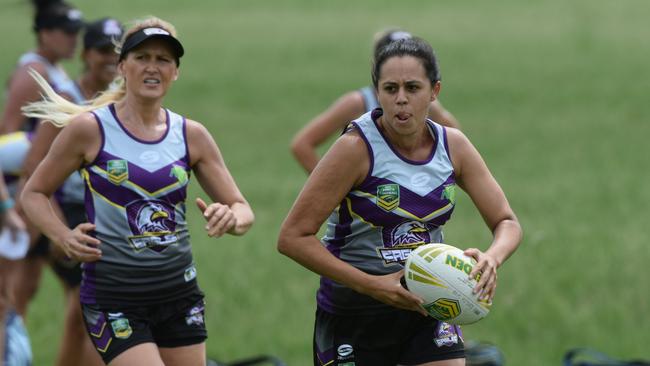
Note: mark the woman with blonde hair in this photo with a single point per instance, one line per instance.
(139, 293)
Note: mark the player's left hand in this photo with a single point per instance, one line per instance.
(220, 218)
(486, 268)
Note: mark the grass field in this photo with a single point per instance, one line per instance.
(553, 94)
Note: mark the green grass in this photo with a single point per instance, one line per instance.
(554, 95)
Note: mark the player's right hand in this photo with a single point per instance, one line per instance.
(389, 290)
(79, 245)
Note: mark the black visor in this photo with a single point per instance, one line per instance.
(142, 35)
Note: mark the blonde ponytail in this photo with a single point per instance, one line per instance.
(59, 111)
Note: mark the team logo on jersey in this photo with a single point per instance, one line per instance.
(153, 224)
(446, 335)
(388, 196)
(449, 193)
(179, 173)
(120, 324)
(117, 171)
(402, 239)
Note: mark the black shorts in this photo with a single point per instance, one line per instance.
(69, 271)
(400, 337)
(114, 330)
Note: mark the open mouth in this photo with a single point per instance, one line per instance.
(151, 81)
(403, 116)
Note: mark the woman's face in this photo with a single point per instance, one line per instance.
(61, 43)
(149, 69)
(101, 64)
(405, 94)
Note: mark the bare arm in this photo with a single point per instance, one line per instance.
(344, 166)
(43, 138)
(76, 144)
(230, 211)
(439, 114)
(9, 218)
(473, 176)
(331, 121)
(22, 90)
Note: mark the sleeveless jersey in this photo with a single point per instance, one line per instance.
(370, 101)
(400, 205)
(135, 195)
(54, 74)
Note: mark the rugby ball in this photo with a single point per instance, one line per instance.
(439, 274)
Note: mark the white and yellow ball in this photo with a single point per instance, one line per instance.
(439, 274)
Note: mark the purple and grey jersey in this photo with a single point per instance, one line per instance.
(400, 205)
(135, 195)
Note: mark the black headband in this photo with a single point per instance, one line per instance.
(142, 35)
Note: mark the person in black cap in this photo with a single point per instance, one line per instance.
(139, 294)
(350, 106)
(56, 25)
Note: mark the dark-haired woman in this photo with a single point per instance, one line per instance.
(393, 176)
(350, 106)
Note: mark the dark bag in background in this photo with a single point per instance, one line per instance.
(589, 357)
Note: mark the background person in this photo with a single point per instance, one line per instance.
(364, 315)
(14, 342)
(139, 295)
(350, 106)
(99, 69)
(56, 25)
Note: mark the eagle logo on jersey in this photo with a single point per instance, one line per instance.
(402, 239)
(117, 171)
(153, 224)
(388, 196)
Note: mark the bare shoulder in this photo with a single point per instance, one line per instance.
(456, 137)
(349, 155)
(460, 147)
(196, 132)
(84, 125)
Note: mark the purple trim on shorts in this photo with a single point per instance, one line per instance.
(114, 113)
(400, 156)
(326, 356)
